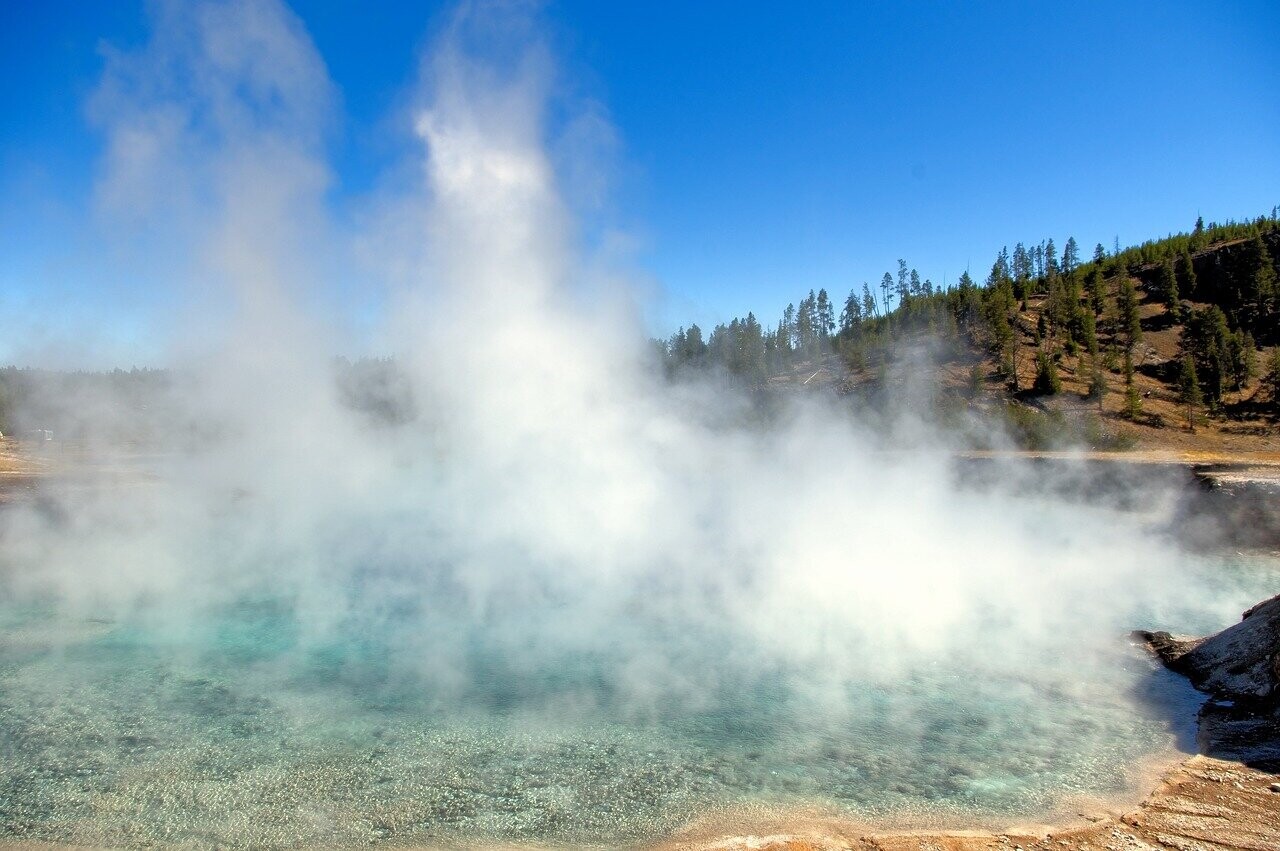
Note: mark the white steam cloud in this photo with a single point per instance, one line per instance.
(541, 482)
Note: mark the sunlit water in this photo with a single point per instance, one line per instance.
(235, 729)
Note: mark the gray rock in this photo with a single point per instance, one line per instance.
(1240, 663)
(1240, 668)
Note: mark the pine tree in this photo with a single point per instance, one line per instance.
(1187, 281)
(1256, 282)
(886, 284)
(753, 348)
(1167, 286)
(1086, 331)
(869, 308)
(1198, 239)
(1097, 384)
(1070, 256)
(1244, 358)
(826, 316)
(904, 282)
(1127, 309)
(1021, 272)
(1189, 390)
(807, 324)
(1132, 401)
(977, 374)
(1047, 381)
(851, 316)
(1097, 290)
(1273, 376)
(1208, 340)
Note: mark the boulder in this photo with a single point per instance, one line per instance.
(1240, 663)
(1240, 669)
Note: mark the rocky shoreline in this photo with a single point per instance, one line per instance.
(1239, 668)
(1227, 798)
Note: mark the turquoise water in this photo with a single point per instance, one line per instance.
(237, 726)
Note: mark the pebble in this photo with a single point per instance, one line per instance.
(1275, 787)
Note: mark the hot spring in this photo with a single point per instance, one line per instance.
(386, 699)
(506, 579)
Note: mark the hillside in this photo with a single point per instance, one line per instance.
(1064, 351)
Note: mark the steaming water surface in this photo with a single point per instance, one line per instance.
(234, 725)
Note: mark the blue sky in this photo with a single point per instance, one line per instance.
(765, 148)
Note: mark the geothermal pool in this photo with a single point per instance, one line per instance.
(236, 727)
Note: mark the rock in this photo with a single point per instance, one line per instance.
(1240, 663)
(1275, 787)
(1240, 668)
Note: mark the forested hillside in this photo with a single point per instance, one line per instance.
(1180, 331)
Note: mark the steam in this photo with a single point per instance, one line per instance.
(542, 486)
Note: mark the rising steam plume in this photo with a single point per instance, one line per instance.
(543, 486)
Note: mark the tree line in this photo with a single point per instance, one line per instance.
(1221, 282)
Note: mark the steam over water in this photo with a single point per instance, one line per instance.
(527, 588)
(230, 726)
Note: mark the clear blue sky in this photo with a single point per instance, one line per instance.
(766, 148)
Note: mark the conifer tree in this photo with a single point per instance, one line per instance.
(1187, 281)
(1132, 401)
(1198, 239)
(1189, 390)
(807, 324)
(1127, 309)
(1167, 285)
(1070, 256)
(977, 374)
(851, 316)
(868, 302)
(1244, 360)
(1046, 381)
(1097, 384)
(825, 316)
(1021, 272)
(1097, 290)
(1208, 340)
(787, 329)
(1256, 282)
(1273, 376)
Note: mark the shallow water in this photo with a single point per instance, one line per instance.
(234, 726)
